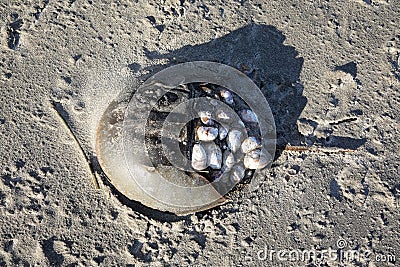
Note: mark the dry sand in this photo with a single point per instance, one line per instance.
(329, 69)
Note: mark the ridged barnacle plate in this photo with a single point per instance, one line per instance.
(177, 187)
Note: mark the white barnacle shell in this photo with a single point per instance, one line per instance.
(205, 117)
(229, 161)
(227, 96)
(206, 133)
(223, 132)
(257, 159)
(234, 140)
(214, 155)
(248, 116)
(199, 157)
(237, 174)
(250, 143)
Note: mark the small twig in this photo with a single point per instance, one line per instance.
(314, 149)
(343, 121)
(59, 110)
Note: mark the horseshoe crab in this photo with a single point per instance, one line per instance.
(151, 151)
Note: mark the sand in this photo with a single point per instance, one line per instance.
(329, 70)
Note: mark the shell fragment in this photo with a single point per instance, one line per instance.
(205, 117)
(229, 161)
(214, 155)
(250, 144)
(223, 132)
(199, 157)
(207, 133)
(234, 141)
(237, 173)
(257, 159)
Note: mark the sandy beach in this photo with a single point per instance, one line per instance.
(329, 70)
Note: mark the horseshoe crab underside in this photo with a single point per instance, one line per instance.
(181, 143)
